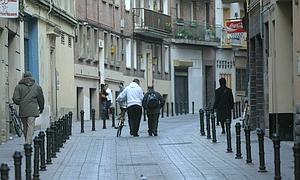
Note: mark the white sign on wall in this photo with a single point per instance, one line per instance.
(9, 8)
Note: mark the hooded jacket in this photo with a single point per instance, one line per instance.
(29, 96)
(133, 93)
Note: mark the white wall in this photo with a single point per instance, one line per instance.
(195, 78)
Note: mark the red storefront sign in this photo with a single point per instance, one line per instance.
(235, 26)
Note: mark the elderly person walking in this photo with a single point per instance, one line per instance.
(29, 96)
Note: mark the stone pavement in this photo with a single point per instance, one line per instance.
(178, 152)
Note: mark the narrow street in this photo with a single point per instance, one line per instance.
(178, 152)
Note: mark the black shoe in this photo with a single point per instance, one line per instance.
(223, 132)
(150, 134)
(131, 133)
(136, 135)
(155, 134)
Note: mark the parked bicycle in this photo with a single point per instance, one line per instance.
(15, 120)
(121, 123)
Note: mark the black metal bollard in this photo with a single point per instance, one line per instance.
(42, 150)
(49, 145)
(62, 130)
(59, 132)
(113, 117)
(213, 128)
(240, 110)
(104, 122)
(180, 108)
(276, 144)
(248, 144)
(70, 122)
(4, 171)
(162, 111)
(93, 119)
(228, 135)
(185, 108)
(66, 130)
(18, 163)
(238, 141)
(36, 175)
(176, 109)
(261, 134)
(193, 107)
(201, 115)
(207, 113)
(55, 146)
(172, 109)
(296, 150)
(28, 152)
(167, 109)
(82, 121)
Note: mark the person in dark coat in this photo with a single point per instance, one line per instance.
(152, 112)
(223, 103)
(103, 101)
(30, 98)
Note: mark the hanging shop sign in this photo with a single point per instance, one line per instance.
(235, 26)
(9, 8)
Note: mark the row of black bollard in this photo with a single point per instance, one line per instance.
(56, 134)
(210, 121)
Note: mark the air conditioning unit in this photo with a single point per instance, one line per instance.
(122, 25)
(101, 43)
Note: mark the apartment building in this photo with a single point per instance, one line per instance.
(11, 67)
(193, 52)
(231, 56)
(118, 41)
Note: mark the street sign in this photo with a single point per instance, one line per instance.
(9, 8)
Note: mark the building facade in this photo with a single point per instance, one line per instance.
(40, 40)
(11, 67)
(193, 53)
(231, 56)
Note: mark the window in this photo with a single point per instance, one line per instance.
(193, 11)
(128, 53)
(241, 81)
(113, 48)
(118, 49)
(62, 38)
(134, 55)
(207, 14)
(127, 5)
(69, 41)
(166, 53)
(105, 47)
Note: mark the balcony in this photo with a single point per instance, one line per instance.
(152, 24)
(193, 32)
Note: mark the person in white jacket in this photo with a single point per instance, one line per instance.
(134, 95)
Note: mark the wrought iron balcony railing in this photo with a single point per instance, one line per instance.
(151, 21)
(193, 30)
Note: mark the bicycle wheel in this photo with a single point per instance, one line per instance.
(17, 125)
(119, 130)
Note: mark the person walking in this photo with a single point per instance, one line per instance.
(152, 102)
(223, 103)
(134, 96)
(103, 102)
(109, 101)
(122, 102)
(28, 95)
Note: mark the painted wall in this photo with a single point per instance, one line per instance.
(195, 73)
(280, 81)
(296, 52)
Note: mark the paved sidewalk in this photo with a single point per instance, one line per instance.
(179, 152)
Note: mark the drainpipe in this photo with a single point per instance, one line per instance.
(51, 6)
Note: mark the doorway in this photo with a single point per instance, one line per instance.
(181, 89)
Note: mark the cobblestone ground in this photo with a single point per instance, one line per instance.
(178, 152)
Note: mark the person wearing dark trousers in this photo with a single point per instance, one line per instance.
(223, 103)
(152, 102)
(134, 96)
